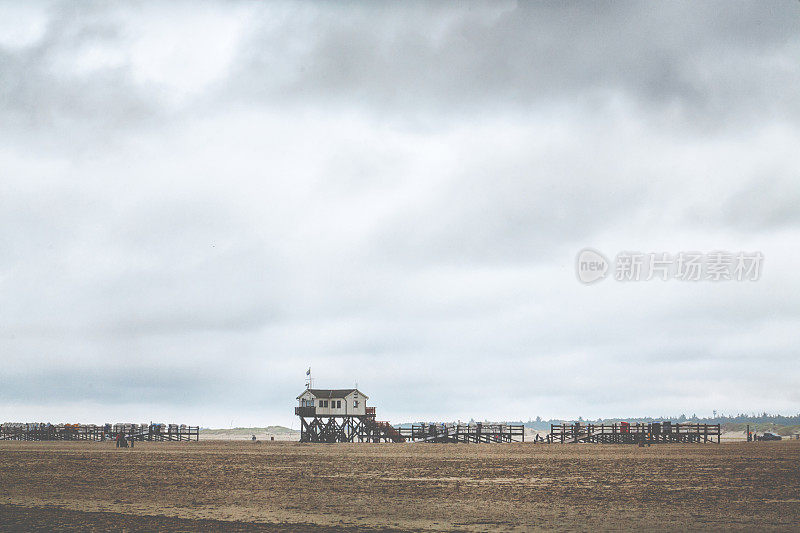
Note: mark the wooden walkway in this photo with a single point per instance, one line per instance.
(485, 433)
(39, 431)
(634, 433)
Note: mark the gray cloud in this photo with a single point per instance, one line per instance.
(705, 62)
(769, 201)
(43, 95)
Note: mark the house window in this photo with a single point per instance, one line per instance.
(325, 403)
(355, 403)
(339, 404)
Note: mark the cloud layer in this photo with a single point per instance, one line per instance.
(198, 203)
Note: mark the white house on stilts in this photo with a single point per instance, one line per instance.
(340, 415)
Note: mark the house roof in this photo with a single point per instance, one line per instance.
(333, 393)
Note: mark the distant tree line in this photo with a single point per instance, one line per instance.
(744, 418)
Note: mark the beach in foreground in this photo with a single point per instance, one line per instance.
(282, 486)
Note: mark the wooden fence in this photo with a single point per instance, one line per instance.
(37, 431)
(634, 433)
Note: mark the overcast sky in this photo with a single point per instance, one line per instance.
(198, 201)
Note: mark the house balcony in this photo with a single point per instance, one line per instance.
(369, 411)
(305, 411)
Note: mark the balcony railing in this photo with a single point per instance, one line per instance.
(312, 411)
